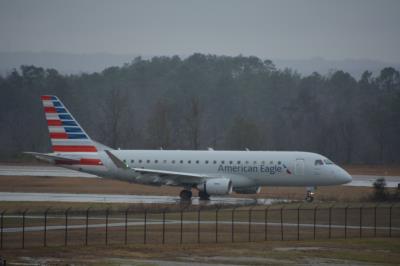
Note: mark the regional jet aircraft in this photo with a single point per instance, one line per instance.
(209, 172)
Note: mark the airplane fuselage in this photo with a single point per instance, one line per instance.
(243, 168)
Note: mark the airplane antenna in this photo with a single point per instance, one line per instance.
(247, 149)
(210, 149)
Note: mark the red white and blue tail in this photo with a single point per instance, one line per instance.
(66, 135)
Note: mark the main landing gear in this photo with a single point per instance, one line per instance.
(310, 194)
(185, 195)
(204, 195)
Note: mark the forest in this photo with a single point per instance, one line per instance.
(202, 101)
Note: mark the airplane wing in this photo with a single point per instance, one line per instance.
(169, 177)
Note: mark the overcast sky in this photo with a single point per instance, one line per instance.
(294, 29)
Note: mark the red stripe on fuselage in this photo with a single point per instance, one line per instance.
(58, 135)
(50, 110)
(69, 148)
(54, 123)
(90, 161)
(45, 97)
(82, 161)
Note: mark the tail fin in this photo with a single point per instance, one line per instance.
(66, 135)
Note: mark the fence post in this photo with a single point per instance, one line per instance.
(163, 227)
(250, 212)
(375, 219)
(45, 227)
(330, 221)
(181, 235)
(266, 224)
(23, 228)
(298, 222)
(107, 213)
(145, 227)
(198, 224)
(126, 226)
(315, 220)
(390, 220)
(345, 221)
(216, 224)
(233, 224)
(282, 223)
(361, 208)
(66, 227)
(1, 228)
(87, 226)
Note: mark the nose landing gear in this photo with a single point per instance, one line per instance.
(310, 194)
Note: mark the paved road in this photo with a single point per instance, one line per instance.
(64, 197)
(169, 221)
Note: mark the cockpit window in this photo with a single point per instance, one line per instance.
(328, 161)
(319, 162)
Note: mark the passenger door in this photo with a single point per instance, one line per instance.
(299, 167)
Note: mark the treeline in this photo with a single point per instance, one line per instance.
(211, 101)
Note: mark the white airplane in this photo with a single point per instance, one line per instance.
(210, 172)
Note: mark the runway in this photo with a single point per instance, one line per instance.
(103, 198)
(53, 171)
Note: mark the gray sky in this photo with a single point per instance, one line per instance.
(294, 29)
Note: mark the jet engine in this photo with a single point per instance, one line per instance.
(216, 186)
(248, 190)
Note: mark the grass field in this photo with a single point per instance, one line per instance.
(337, 252)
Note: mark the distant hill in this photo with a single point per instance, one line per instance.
(67, 63)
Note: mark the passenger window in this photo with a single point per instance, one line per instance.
(148, 161)
(318, 162)
(132, 161)
(230, 162)
(238, 162)
(173, 161)
(247, 162)
(206, 162)
(140, 161)
(165, 161)
(124, 161)
(255, 162)
(222, 162)
(263, 162)
(156, 161)
(197, 161)
(215, 162)
(189, 161)
(181, 161)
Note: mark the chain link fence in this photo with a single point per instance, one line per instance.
(220, 225)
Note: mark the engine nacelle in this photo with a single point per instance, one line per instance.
(216, 186)
(247, 190)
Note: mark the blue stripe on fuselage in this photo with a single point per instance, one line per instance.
(69, 123)
(65, 117)
(72, 129)
(77, 136)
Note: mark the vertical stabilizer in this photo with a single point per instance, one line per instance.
(66, 135)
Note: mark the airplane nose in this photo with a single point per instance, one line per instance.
(344, 176)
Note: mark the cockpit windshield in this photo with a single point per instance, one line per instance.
(318, 162)
(327, 161)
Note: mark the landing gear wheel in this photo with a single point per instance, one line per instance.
(309, 199)
(310, 196)
(185, 194)
(203, 195)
